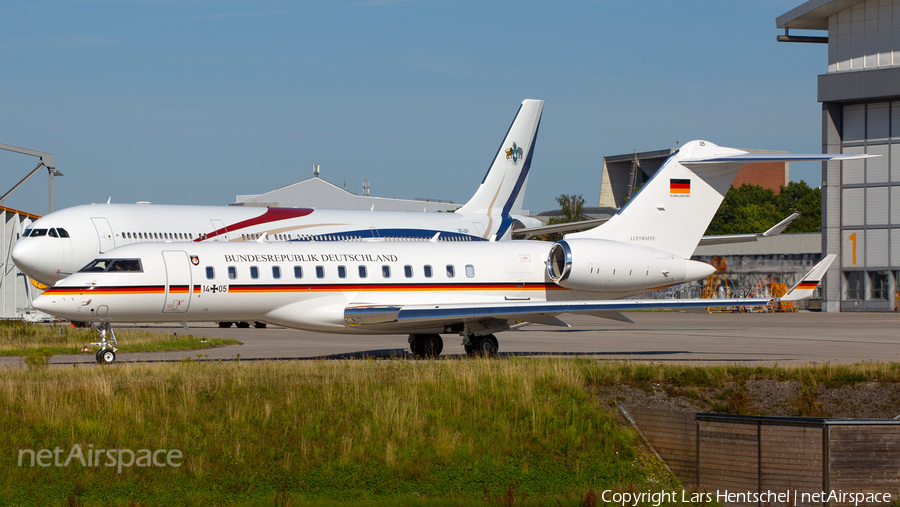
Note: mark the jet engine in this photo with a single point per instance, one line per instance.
(601, 265)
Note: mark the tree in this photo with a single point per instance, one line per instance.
(752, 208)
(572, 208)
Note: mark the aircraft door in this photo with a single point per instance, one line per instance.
(104, 232)
(178, 281)
(219, 226)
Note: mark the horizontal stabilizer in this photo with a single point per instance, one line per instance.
(807, 285)
(555, 228)
(747, 238)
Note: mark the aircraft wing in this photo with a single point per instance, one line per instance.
(545, 312)
(525, 311)
(548, 229)
(745, 238)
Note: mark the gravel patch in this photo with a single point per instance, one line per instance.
(876, 400)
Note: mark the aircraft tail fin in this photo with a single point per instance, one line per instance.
(503, 186)
(805, 287)
(673, 209)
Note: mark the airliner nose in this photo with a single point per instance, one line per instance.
(31, 259)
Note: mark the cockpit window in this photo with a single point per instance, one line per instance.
(53, 234)
(62, 232)
(130, 265)
(133, 265)
(96, 265)
(38, 232)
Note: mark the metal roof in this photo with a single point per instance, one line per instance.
(813, 15)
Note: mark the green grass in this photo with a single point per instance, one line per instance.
(21, 339)
(513, 431)
(447, 432)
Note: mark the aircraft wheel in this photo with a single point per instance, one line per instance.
(225, 324)
(107, 356)
(99, 357)
(426, 345)
(431, 345)
(470, 350)
(487, 346)
(243, 325)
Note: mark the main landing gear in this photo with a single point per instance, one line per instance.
(431, 345)
(426, 345)
(483, 346)
(107, 352)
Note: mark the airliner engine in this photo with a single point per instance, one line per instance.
(603, 265)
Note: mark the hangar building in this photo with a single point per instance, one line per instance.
(315, 192)
(860, 96)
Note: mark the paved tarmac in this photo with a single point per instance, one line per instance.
(724, 338)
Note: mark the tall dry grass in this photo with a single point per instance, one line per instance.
(335, 430)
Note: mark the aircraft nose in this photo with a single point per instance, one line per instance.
(33, 260)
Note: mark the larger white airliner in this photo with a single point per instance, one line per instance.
(60, 243)
(425, 288)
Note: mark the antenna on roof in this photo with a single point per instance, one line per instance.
(315, 170)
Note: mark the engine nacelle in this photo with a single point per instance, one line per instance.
(602, 265)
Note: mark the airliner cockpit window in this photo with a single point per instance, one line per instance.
(62, 232)
(123, 265)
(38, 232)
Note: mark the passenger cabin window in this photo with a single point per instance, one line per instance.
(427, 270)
(451, 271)
(407, 271)
(276, 272)
(129, 265)
(363, 272)
(386, 271)
(298, 272)
(254, 272)
(210, 273)
(232, 273)
(320, 271)
(470, 271)
(342, 271)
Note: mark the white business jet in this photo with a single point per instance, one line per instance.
(426, 289)
(60, 243)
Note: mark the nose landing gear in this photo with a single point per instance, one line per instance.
(107, 352)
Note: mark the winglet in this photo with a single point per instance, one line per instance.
(262, 239)
(434, 238)
(805, 287)
(781, 226)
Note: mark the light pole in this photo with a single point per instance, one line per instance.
(46, 161)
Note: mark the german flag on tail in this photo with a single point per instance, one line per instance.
(677, 186)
